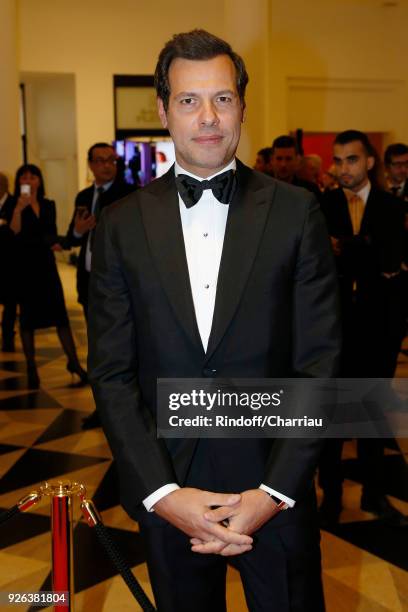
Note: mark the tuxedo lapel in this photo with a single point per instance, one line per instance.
(162, 223)
(247, 216)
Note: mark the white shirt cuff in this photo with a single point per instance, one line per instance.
(77, 235)
(156, 496)
(287, 500)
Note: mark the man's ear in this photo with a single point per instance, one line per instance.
(370, 162)
(162, 112)
(243, 115)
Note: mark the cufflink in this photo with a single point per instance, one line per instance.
(280, 504)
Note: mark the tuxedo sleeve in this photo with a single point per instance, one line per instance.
(316, 348)
(142, 460)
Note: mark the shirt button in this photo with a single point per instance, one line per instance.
(206, 286)
(205, 235)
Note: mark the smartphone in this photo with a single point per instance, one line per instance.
(82, 211)
(25, 189)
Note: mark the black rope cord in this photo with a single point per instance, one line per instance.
(123, 568)
(6, 515)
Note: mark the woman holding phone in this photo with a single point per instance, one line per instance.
(39, 289)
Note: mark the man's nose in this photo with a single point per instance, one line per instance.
(208, 115)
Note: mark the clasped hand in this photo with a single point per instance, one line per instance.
(218, 523)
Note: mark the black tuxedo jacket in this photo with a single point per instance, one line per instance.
(276, 314)
(118, 190)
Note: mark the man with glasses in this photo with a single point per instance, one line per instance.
(107, 188)
(396, 165)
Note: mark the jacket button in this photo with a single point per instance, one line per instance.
(209, 372)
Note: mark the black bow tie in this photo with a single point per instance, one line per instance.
(191, 190)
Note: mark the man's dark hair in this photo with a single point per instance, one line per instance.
(98, 145)
(196, 45)
(394, 150)
(376, 174)
(265, 153)
(284, 142)
(355, 135)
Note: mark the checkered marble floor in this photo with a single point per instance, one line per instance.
(365, 563)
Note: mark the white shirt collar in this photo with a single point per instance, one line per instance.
(180, 170)
(105, 186)
(3, 199)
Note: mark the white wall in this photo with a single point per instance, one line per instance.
(51, 137)
(323, 65)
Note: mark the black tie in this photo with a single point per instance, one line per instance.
(190, 190)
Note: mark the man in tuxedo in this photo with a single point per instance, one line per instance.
(285, 160)
(7, 289)
(366, 229)
(213, 270)
(89, 203)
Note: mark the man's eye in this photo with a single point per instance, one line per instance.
(224, 99)
(187, 101)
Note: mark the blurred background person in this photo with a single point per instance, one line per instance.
(7, 290)
(329, 179)
(285, 161)
(106, 188)
(396, 168)
(310, 169)
(365, 224)
(263, 160)
(32, 219)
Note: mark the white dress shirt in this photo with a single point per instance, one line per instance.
(203, 231)
(3, 199)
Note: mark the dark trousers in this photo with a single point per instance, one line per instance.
(281, 573)
(8, 320)
(370, 453)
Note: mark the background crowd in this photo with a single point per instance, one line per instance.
(365, 203)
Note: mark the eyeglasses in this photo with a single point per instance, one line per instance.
(104, 160)
(399, 164)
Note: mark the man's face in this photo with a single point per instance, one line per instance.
(260, 164)
(204, 114)
(103, 164)
(352, 165)
(398, 169)
(284, 162)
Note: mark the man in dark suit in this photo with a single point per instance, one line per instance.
(7, 290)
(213, 270)
(366, 229)
(89, 203)
(396, 165)
(285, 161)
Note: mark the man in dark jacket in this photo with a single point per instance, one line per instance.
(7, 293)
(106, 189)
(366, 228)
